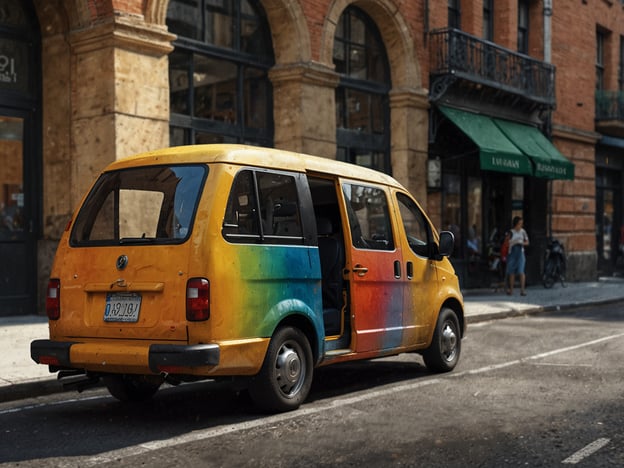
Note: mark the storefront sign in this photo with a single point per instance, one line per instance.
(7, 69)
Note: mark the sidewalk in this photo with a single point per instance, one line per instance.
(20, 377)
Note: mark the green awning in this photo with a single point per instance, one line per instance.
(548, 161)
(496, 151)
(506, 146)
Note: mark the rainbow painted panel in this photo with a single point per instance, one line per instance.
(259, 285)
(377, 301)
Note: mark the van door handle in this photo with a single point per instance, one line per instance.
(397, 269)
(360, 270)
(410, 270)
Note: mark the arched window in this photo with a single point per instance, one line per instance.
(218, 73)
(362, 108)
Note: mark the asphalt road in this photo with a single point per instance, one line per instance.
(542, 390)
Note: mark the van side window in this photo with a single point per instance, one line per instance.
(279, 206)
(416, 227)
(263, 207)
(241, 222)
(369, 218)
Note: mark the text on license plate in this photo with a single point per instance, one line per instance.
(122, 307)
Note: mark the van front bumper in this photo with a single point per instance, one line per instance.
(117, 357)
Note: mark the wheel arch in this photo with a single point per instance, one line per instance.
(457, 307)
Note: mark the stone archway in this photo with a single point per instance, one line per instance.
(395, 32)
(289, 31)
(409, 116)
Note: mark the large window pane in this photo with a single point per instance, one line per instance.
(256, 95)
(11, 179)
(219, 25)
(475, 219)
(179, 81)
(451, 207)
(215, 88)
(182, 18)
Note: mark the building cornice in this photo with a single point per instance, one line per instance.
(311, 73)
(123, 32)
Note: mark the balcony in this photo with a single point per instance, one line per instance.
(610, 112)
(461, 62)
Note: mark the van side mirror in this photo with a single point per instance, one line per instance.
(447, 243)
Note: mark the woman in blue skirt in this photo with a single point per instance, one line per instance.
(518, 239)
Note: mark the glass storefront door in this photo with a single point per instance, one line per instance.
(18, 277)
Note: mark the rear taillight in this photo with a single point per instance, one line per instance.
(53, 299)
(197, 299)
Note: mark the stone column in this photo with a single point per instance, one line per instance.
(409, 117)
(119, 94)
(305, 108)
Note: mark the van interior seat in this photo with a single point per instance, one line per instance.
(332, 257)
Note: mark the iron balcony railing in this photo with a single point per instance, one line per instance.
(609, 105)
(456, 54)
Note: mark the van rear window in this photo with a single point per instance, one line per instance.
(144, 205)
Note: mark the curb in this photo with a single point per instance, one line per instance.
(512, 312)
(31, 389)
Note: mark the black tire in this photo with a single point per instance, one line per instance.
(445, 349)
(132, 388)
(285, 378)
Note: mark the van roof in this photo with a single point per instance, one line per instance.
(253, 156)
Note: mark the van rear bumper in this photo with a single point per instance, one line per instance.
(157, 357)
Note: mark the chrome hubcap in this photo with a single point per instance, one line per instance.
(289, 370)
(448, 342)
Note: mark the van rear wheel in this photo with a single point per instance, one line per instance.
(443, 353)
(132, 388)
(285, 378)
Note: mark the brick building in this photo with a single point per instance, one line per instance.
(482, 108)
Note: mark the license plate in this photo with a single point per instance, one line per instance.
(122, 307)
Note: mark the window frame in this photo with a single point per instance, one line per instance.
(454, 14)
(374, 138)
(488, 20)
(601, 39)
(187, 127)
(523, 26)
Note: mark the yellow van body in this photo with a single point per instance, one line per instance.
(227, 260)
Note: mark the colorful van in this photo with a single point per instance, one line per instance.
(211, 261)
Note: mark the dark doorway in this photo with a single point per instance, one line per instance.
(20, 143)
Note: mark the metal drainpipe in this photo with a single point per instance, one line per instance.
(548, 59)
(547, 31)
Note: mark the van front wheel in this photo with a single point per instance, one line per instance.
(443, 353)
(285, 378)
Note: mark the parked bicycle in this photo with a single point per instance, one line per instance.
(554, 264)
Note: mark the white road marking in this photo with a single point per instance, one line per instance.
(210, 433)
(54, 403)
(586, 451)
